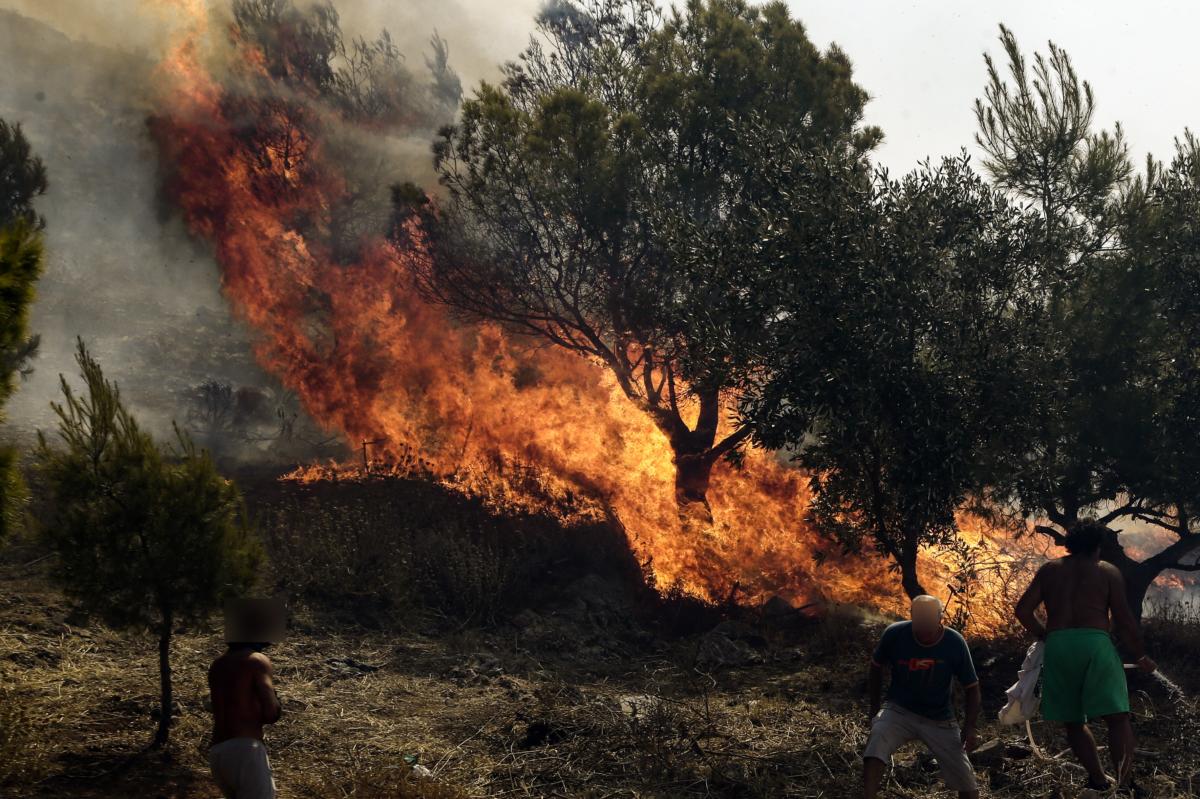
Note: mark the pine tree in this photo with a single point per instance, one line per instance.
(22, 179)
(145, 536)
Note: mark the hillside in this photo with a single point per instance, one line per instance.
(120, 271)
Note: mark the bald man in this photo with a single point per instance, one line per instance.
(924, 657)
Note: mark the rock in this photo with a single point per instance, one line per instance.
(1016, 751)
(349, 667)
(541, 733)
(737, 631)
(636, 705)
(718, 651)
(777, 608)
(464, 675)
(925, 762)
(486, 664)
(528, 619)
(156, 710)
(991, 753)
(481, 668)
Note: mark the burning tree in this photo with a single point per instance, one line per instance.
(344, 328)
(314, 86)
(1117, 318)
(144, 537)
(569, 182)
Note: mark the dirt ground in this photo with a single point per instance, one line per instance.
(578, 698)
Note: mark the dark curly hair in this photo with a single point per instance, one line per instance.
(1085, 538)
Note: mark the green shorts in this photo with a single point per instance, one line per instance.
(1082, 677)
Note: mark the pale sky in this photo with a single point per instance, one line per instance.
(922, 61)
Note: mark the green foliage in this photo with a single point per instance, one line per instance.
(21, 258)
(22, 179)
(577, 186)
(899, 354)
(1040, 144)
(141, 533)
(145, 537)
(20, 267)
(1096, 329)
(1117, 351)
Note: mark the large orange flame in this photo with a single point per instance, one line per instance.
(370, 359)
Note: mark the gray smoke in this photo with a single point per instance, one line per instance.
(121, 271)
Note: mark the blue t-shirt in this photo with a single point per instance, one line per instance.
(921, 674)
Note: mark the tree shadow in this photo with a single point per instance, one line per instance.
(97, 771)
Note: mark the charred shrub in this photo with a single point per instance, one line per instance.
(345, 551)
(463, 573)
(390, 546)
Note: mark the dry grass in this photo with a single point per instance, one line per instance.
(494, 713)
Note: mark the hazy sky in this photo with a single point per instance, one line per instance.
(922, 61)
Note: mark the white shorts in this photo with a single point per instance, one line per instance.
(894, 726)
(241, 769)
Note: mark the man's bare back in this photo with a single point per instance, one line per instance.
(1081, 591)
(1078, 592)
(243, 696)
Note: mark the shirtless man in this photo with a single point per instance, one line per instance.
(243, 700)
(1083, 677)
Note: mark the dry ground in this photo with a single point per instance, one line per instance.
(569, 700)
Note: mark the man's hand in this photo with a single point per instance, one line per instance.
(1027, 607)
(970, 739)
(1146, 665)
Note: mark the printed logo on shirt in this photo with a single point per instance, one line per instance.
(918, 664)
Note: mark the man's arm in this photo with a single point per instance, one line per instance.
(964, 672)
(880, 656)
(974, 704)
(875, 687)
(264, 689)
(1027, 607)
(1123, 619)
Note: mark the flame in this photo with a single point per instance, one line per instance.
(531, 429)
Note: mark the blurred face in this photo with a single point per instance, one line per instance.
(927, 615)
(257, 620)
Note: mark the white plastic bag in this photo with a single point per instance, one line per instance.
(1023, 701)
